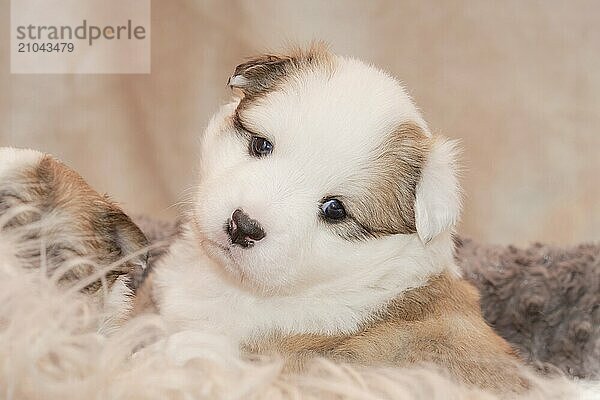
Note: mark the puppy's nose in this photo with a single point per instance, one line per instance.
(243, 230)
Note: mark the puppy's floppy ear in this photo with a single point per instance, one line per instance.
(260, 73)
(438, 196)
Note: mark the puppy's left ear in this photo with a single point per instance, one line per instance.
(259, 74)
(262, 73)
(438, 195)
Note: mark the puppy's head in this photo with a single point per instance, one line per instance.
(322, 168)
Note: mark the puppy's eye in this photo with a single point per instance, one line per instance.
(260, 147)
(333, 209)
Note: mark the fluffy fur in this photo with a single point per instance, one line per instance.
(50, 349)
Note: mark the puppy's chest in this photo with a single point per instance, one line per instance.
(219, 308)
(192, 294)
(201, 303)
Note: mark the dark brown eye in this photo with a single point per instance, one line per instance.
(260, 147)
(333, 210)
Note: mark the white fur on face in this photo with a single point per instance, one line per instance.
(324, 128)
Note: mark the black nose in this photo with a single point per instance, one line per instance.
(243, 230)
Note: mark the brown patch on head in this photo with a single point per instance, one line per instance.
(386, 204)
(439, 323)
(263, 74)
(266, 73)
(72, 219)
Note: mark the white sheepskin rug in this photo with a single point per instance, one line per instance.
(50, 348)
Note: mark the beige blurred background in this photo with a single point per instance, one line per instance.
(517, 81)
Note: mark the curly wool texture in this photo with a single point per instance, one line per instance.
(544, 300)
(49, 349)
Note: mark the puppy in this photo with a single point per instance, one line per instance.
(65, 226)
(322, 226)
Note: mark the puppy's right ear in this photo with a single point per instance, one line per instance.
(259, 74)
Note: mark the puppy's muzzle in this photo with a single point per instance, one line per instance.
(243, 230)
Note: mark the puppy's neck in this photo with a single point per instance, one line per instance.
(194, 292)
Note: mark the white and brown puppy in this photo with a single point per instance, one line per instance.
(323, 225)
(65, 226)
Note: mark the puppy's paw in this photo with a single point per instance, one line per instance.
(61, 219)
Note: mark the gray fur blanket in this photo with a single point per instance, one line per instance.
(544, 300)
